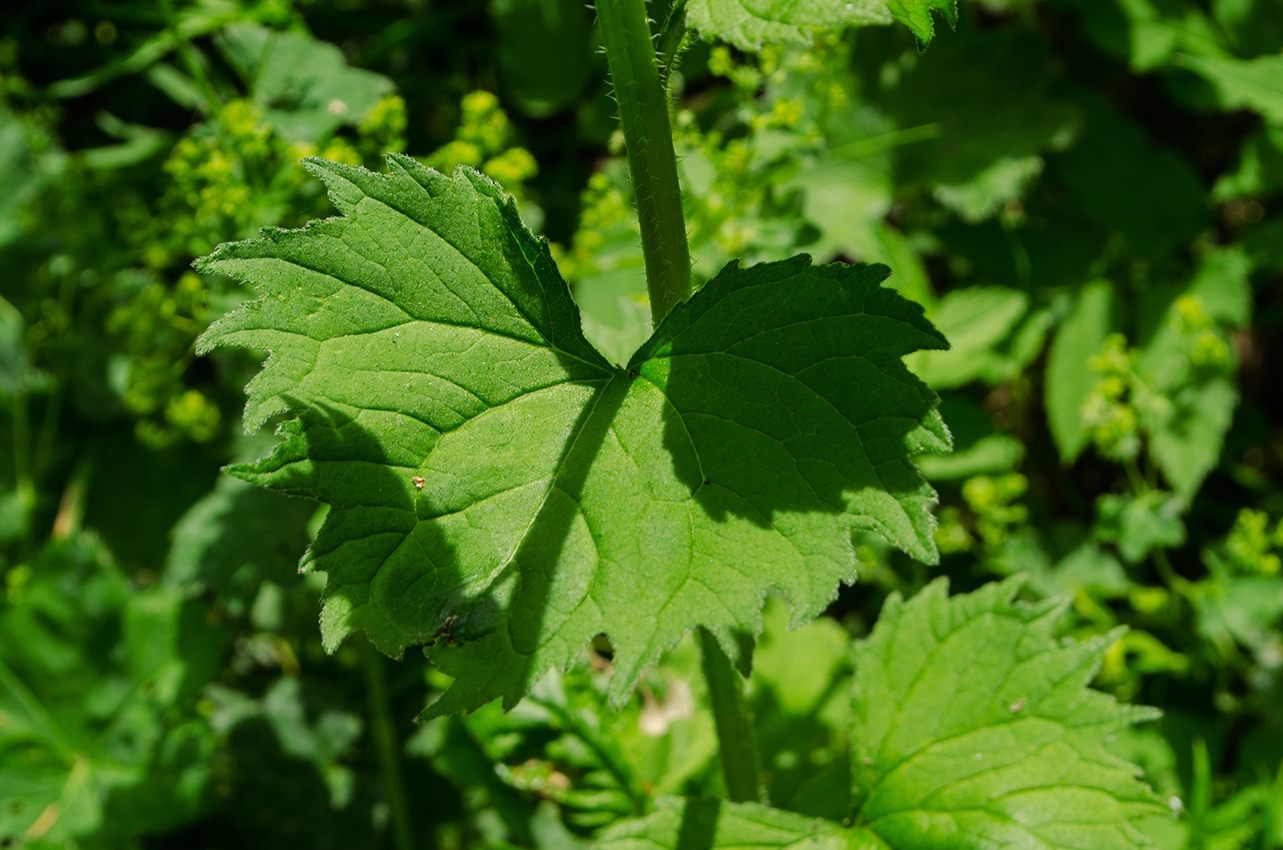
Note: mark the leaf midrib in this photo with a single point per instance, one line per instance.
(516, 237)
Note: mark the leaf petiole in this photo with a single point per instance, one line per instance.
(737, 743)
(388, 748)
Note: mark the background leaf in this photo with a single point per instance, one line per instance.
(971, 719)
(304, 86)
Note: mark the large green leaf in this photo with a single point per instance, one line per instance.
(496, 483)
(748, 24)
(974, 727)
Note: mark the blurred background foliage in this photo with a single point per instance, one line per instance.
(1085, 195)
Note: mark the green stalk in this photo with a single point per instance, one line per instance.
(385, 743)
(737, 744)
(643, 112)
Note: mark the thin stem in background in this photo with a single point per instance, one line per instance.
(212, 103)
(1134, 477)
(1175, 582)
(24, 481)
(385, 741)
(737, 743)
(873, 145)
(24, 485)
(643, 113)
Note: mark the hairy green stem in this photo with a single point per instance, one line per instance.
(737, 744)
(385, 742)
(643, 113)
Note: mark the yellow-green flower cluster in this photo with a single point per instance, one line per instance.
(993, 500)
(951, 534)
(512, 167)
(226, 177)
(155, 326)
(209, 170)
(1111, 419)
(1123, 401)
(158, 316)
(244, 129)
(484, 141)
(383, 128)
(211, 197)
(605, 210)
(776, 64)
(1202, 342)
(1251, 547)
(194, 415)
(1148, 599)
(208, 178)
(235, 174)
(735, 213)
(722, 64)
(717, 215)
